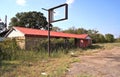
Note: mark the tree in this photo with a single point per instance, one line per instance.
(30, 19)
(81, 31)
(70, 30)
(76, 31)
(94, 35)
(109, 37)
(101, 38)
(57, 29)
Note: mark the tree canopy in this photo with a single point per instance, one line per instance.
(109, 37)
(30, 19)
(94, 34)
(57, 29)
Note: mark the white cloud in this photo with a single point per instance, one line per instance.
(21, 2)
(70, 1)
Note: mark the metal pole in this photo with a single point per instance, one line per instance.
(49, 22)
(49, 19)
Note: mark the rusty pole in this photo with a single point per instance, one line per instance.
(49, 19)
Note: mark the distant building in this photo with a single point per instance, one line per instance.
(28, 38)
(2, 27)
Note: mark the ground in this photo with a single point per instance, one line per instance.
(105, 63)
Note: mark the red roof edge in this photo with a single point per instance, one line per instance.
(44, 33)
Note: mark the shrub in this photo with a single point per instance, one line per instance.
(8, 49)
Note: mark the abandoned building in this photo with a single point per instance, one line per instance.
(27, 37)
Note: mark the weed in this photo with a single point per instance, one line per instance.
(21, 63)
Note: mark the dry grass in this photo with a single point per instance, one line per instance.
(47, 67)
(53, 67)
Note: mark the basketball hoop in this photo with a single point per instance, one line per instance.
(51, 19)
(51, 12)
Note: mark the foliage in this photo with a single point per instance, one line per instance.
(76, 31)
(98, 38)
(8, 49)
(56, 44)
(57, 29)
(117, 40)
(109, 38)
(14, 59)
(94, 34)
(34, 63)
(30, 19)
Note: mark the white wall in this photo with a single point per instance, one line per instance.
(15, 33)
(88, 37)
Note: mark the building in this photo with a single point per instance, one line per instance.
(28, 38)
(3, 28)
(3, 25)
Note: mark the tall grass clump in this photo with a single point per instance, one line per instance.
(8, 49)
(31, 60)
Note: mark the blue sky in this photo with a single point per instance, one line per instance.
(101, 15)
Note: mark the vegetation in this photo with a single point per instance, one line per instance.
(15, 62)
(109, 38)
(94, 34)
(20, 63)
(8, 49)
(30, 19)
(37, 20)
(117, 39)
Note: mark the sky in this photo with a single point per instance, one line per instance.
(101, 15)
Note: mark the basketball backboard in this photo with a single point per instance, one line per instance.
(58, 13)
(53, 17)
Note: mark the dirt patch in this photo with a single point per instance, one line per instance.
(105, 63)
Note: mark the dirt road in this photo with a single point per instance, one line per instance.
(105, 63)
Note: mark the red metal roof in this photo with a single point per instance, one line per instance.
(37, 32)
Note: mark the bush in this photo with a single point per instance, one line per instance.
(8, 49)
(55, 45)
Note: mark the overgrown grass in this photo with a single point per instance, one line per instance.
(109, 45)
(21, 63)
(35, 66)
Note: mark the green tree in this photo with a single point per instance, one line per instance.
(81, 31)
(94, 35)
(109, 37)
(101, 38)
(70, 30)
(57, 29)
(76, 31)
(30, 19)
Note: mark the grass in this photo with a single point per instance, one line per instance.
(52, 67)
(33, 64)
(38, 64)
